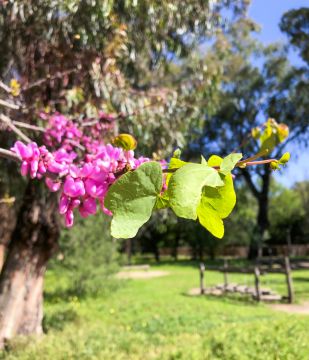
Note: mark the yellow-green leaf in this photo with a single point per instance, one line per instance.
(125, 141)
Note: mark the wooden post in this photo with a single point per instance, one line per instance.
(257, 283)
(289, 280)
(225, 267)
(202, 271)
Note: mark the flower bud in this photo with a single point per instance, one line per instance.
(285, 158)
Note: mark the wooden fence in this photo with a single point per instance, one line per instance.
(242, 251)
(263, 267)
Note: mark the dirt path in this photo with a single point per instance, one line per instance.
(292, 309)
(148, 274)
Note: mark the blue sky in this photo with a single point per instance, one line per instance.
(267, 13)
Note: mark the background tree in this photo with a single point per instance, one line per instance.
(295, 24)
(287, 216)
(259, 82)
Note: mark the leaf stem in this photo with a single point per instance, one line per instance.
(258, 155)
(259, 162)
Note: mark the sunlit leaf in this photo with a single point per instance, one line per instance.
(132, 198)
(229, 162)
(209, 219)
(185, 188)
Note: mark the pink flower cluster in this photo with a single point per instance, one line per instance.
(81, 185)
(36, 160)
(83, 180)
(59, 130)
(65, 132)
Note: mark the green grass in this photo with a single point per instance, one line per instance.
(155, 319)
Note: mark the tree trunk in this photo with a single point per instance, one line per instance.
(262, 196)
(262, 219)
(263, 224)
(156, 251)
(33, 242)
(7, 220)
(201, 250)
(129, 250)
(175, 248)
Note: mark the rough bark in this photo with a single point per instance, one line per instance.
(33, 242)
(7, 221)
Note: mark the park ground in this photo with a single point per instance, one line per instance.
(155, 318)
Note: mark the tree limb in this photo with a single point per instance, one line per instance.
(9, 105)
(10, 124)
(28, 126)
(5, 87)
(8, 154)
(57, 75)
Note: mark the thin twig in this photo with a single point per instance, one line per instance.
(239, 164)
(9, 105)
(5, 87)
(10, 124)
(75, 143)
(8, 154)
(245, 141)
(48, 78)
(123, 116)
(90, 123)
(258, 155)
(28, 126)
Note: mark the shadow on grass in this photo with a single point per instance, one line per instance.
(59, 319)
(226, 298)
(82, 290)
(301, 278)
(59, 294)
(190, 263)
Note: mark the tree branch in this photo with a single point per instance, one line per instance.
(9, 105)
(28, 126)
(5, 87)
(49, 78)
(10, 124)
(8, 154)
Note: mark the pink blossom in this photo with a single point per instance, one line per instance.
(73, 187)
(69, 218)
(83, 166)
(52, 185)
(88, 207)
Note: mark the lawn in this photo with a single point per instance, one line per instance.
(156, 319)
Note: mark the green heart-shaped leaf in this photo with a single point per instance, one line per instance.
(229, 162)
(215, 205)
(132, 197)
(209, 218)
(185, 188)
(223, 198)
